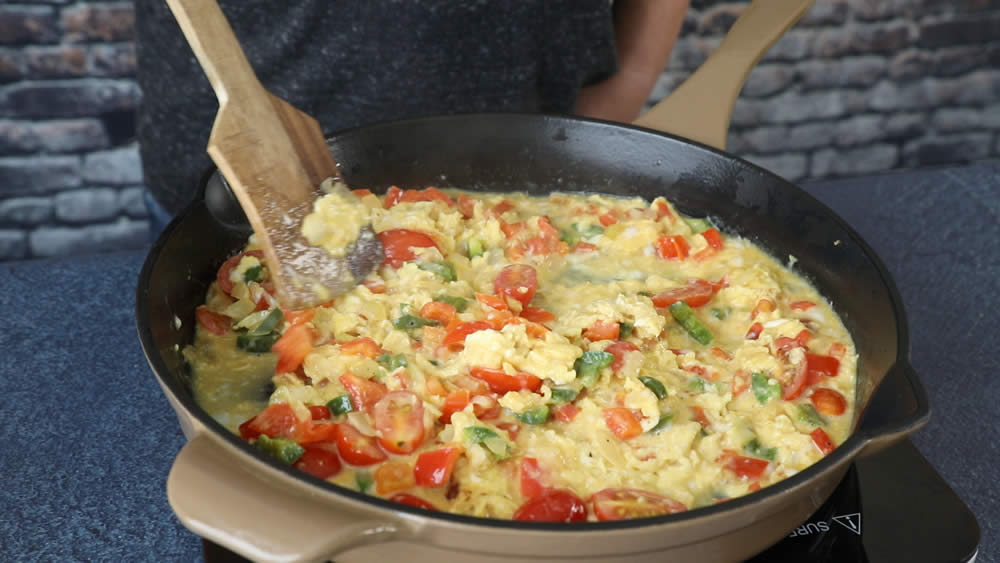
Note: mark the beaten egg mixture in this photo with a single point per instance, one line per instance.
(558, 358)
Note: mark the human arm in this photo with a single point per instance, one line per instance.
(645, 32)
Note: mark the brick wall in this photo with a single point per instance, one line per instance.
(858, 86)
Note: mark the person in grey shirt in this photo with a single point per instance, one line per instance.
(351, 63)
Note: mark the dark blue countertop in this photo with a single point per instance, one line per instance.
(88, 437)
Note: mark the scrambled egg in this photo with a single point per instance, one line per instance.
(512, 346)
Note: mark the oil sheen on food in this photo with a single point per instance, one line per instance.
(569, 357)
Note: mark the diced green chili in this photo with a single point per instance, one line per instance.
(588, 366)
(270, 322)
(281, 449)
(754, 448)
(411, 322)
(459, 303)
(763, 388)
(444, 269)
(364, 481)
(253, 274)
(808, 414)
(684, 315)
(697, 224)
(573, 234)
(489, 439)
(475, 247)
(697, 385)
(539, 415)
(341, 404)
(625, 330)
(654, 385)
(392, 362)
(665, 419)
(564, 394)
(256, 343)
(721, 313)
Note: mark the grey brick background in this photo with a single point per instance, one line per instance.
(858, 86)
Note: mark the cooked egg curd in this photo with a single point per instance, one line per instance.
(560, 358)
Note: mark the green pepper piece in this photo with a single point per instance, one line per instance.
(684, 315)
(588, 366)
(654, 385)
(253, 274)
(564, 394)
(589, 230)
(364, 481)
(459, 303)
(392, 362)
(569, 236)
(763, 388)
(444, 269)
(281, 449)
(665, 419)
(754, 448)
(625, 330)
(475, 247)
(808, 414)
(697, 385)
(538, 415)
(256, 343)
(697, 224)
(341, 404)
(411, 322)
(488, 439)
(721, 313)
(269, 323)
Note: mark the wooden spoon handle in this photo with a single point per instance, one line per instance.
(214, 43)
(700, 108)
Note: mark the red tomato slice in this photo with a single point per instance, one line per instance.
(440, 312)
(475, 386)
(227, 267)
(672, 247)
(467, 206)
(602, 330)
(319, 461)
(299, 317)
(517, 281)
(754, 332)
(502, 382)
(485, 407)
(556, 505)
(374, 286)
(565, 412)
(531, 478)
(355, 448)
(319, 412)
(837, 350)
(622, 423)
(763, 306)
(743, 466)
(537, 315)
(398, 243)
(433, 468)
(393, 476)
(411, 500)
(741, 382)
(277, 420)
(428, 194)
(502, 207)
(801, 305)
(293, 347)
(216, 323)
(618, 350)
(696, 293)
(392, 196)
(800, 381)
(584, 247)
(625, 504)
(512, 429)
(663, 210)
(714, 238)
(456, 336)
(698, 414)
(829, 401)
(362, 192)
(455, 402)
(608, 219)
(399, 422)
(827, 365)
(363, 346)
(822, 441)
(364, 392)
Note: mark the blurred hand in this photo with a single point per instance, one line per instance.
(619, 98)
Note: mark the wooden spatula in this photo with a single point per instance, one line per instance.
(274, 158)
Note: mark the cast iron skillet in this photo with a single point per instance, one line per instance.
(226, 491)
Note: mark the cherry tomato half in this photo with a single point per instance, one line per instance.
(399, 420)
(277, 420)
(555, 505)
(517, 281)
(625, 504)
(411, 500)
(829, 401)
(364, 392)
(293, 347)
(622, 423)
(502, 382)
(216, 323)
(320, 461)
(696, 293)
(397, 244)
(433, 468)
(355, 448)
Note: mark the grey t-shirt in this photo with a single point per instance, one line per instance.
(354, 62)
